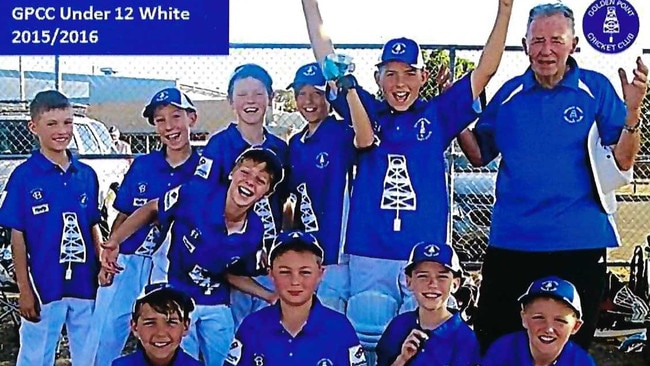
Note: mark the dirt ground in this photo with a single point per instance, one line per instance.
(604, 351)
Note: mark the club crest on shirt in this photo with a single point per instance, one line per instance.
(423, 129)
(37, 194)
(234, 354)
(322, 160)
(325, 362)
(573, 114)
(356, 356)
(142, 187)
(83, 200)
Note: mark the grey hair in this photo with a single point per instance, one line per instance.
(550, 9)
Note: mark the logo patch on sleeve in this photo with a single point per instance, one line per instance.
(3, 195)
(204, 168)
(357, 356)
(139, 202)
(171, 197)
(234, 355)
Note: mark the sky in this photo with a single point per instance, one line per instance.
(347, 21)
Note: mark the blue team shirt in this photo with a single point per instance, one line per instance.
(327, 338)
(138, 358)
(545, 194)
(201, 250)
(321, 167)
(399, 195)
(149, 177)
(55, 210)
(452, 343)
(513, 350)
(218, 159)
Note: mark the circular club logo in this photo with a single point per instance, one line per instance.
(611, 26)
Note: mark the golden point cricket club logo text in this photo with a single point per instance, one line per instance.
(611, 26)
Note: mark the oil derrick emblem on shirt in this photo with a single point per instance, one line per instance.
(307, 214)
(263, 209)
(73, 248)
(201, 277)
(149, 244)
(398, 193)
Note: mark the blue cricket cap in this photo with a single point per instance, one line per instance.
(254, 71)
(168, 96)
(168, 291)
(554, 287)
(296, 239)
(310, 74)
(430, 252)
(273, 162)
(404, 50)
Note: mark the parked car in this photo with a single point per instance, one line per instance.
(473, 201)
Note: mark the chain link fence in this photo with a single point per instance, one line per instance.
(111, 92)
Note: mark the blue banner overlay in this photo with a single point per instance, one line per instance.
(114, 27)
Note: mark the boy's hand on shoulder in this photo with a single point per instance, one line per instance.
(30, 308)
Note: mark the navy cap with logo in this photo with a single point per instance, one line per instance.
(273, 162)
(431, 252)
(309, 74)
(295, 239)
(167, 291)
(554, 287)
(168, 96)
(403, 50)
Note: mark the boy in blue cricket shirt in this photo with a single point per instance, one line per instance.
(550, 313)
(321, 157)
(51, 203)
(250, 93)
(399, 193)
(160, 319)
(213, 229)
(431, 334)
(172, 114)
(298, 330)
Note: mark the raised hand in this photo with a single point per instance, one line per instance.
(635, 91)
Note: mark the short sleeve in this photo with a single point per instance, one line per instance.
(12, 212)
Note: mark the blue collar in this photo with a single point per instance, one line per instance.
(161, 158)
(452, 323)
(312, 325)
(570, 80)
(232, 129)
(303, 134)
(418, 105)
(46, 164)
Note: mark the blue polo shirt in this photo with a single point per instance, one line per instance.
(321, 167)
(513, 350)
(55, 210)
(139, 358)
(327, 339)
(201, 250)
(546, 198)
(399, 196)
(218, 159)
(452, 343)
(149, 177)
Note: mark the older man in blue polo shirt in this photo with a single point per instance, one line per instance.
(322, 156)
(548, 219)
